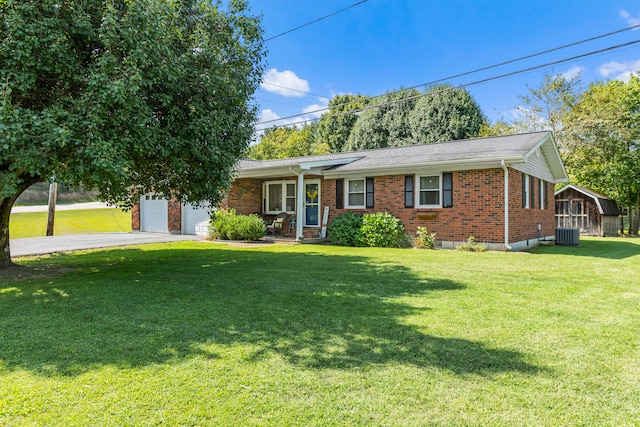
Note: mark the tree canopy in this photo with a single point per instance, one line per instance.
(125, 97)
(285, 142)
(336, 124)
(603, 141)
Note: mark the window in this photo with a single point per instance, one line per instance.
(279, 196)
(355, 193)
(525, 191)
(543, 194)
(429, 191)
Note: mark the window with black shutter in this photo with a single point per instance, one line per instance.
(408, 191)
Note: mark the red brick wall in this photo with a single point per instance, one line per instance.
(174, 222)
(135, 217)
(245, 196)
(478, 208)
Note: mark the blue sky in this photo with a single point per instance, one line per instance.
(383, 45)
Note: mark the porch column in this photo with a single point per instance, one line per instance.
(300, 207)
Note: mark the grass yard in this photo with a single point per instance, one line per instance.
(34, 224)
(201, 334)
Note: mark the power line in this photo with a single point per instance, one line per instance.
(315, 20)
(477, 82)
(511, 61)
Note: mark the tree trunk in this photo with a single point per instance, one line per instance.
(5, 212)
(635, 224)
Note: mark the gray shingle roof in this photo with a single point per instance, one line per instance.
(481, 150)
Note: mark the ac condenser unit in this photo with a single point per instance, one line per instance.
(567, 236)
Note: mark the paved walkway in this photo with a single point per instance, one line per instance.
(76, 242)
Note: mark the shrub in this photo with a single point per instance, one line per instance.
(472, 246)
(227, 225)
(382, 230)
(344, 229)
(424, 239)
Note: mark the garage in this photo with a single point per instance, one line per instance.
(154, 215)
(195, 219)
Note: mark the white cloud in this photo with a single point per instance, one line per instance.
(312, 110)
(572, 72)
(619, 70)
(631, 20)
(284, 83)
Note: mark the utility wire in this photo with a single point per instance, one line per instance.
(511, 61)
(314, 21)
(464, 85)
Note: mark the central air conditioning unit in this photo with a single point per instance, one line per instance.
(567, 236)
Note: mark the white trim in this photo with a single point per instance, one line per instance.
(542, 191)
(418, 190)
(347, 205)
(527, 191)
(284, 197)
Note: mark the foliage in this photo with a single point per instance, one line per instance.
(384, 123)
(228, 225)
(335, 125)
(344, 229)
(125, 97)
(424, 239)
(382, 230)
(286, 142)
(472, 246)
(408, 117)
(445, 113)
(379, 229)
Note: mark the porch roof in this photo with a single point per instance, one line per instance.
(477, 153)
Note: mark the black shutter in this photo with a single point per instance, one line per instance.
(546, 191)
(339, 193)
(369, 193)
(532, 185)
(408, 191)
(447, 190)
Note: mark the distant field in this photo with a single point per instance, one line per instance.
(34, 224)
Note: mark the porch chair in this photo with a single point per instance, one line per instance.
(277, 226)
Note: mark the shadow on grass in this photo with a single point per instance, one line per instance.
(597, 247)
(130, 308)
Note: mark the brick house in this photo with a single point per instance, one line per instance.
(499, 189)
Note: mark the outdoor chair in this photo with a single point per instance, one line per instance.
(277, 226)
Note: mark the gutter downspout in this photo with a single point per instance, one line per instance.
(299, 204)
(506, 205)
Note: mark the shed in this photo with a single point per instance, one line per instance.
(593, 213)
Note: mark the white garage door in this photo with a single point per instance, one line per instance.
(195, 220)
(154, 214)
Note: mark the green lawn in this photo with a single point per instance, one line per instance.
(34, 224)
(197, 334)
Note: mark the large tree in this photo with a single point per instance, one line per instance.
(602, 149)
(336, 124)
(384, 122)
(445, 113)
(127, 97)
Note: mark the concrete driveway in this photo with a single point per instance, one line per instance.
(76, 242)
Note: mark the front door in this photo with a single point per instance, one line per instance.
(312, 204)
